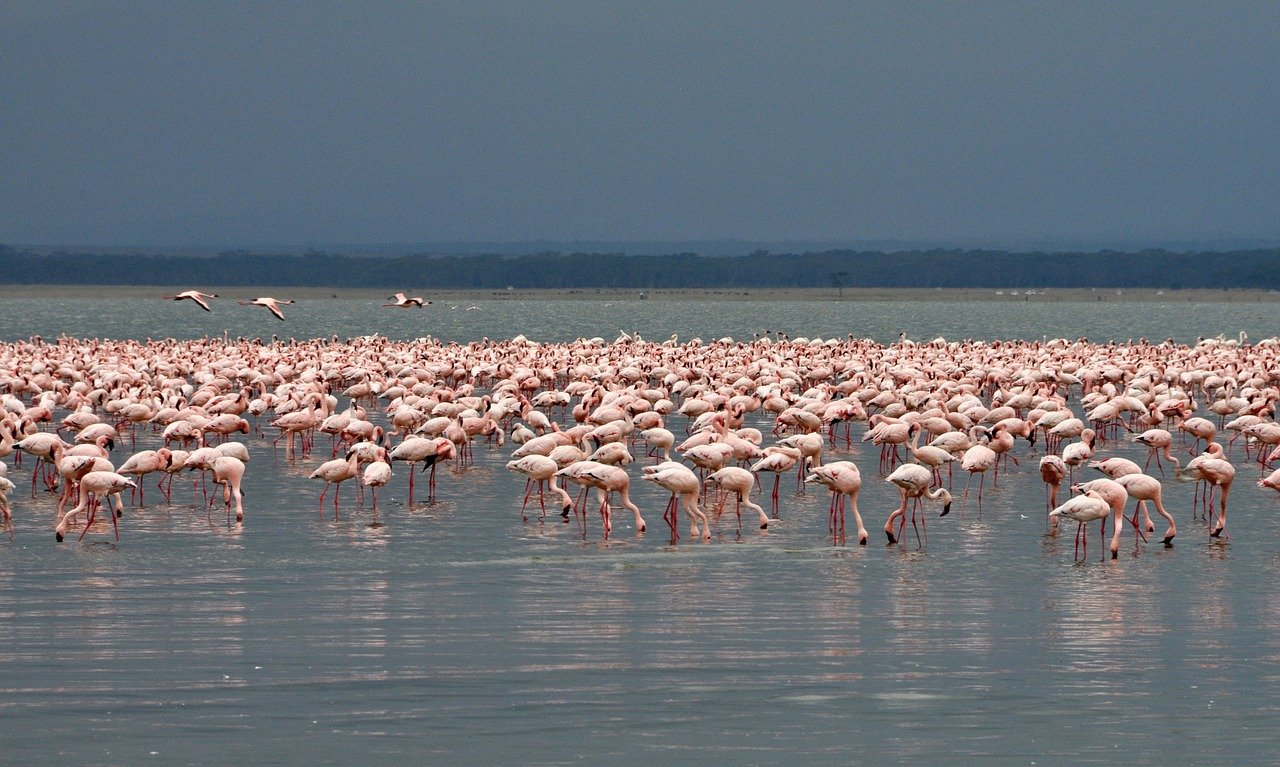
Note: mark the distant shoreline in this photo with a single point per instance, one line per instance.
(1049, 295)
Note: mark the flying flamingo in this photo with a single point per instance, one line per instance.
(405, 302)
(272, 304)
(193, 295)
(684, 486)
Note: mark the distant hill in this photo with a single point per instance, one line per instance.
(1252, 269)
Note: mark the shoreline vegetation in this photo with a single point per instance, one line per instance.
(1019, 275)
(851, 295)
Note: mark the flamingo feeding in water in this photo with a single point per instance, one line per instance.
(540, 468)
(1084, 509)
(684, 487)
(738, 481)
(841, 478)
(102, 485)
(913, 481)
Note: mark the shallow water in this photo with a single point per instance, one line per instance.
(455, 633)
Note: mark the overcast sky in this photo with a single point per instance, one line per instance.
(267, 123)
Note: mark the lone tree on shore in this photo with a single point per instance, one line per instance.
(837, 281)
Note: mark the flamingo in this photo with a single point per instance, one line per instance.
(778, 460)
(101, 484)
(1216, 472)
(405, 302)
(683, 485)
(228, 471)
(1200, 428)
(913, 481)
(977, 460)
(1159, 442)
(1272, 481)
(1052, 471)
(377, 474)
(144, 463)
(272, 304)
(1116, 497)
(334, 473)
(195, 296)
(738, 481)
(606, 480)
(540, 468)
(6, 487)
(1078, 453)
(1084, 509)
(930, 456)
(841, 478)
(1143, 488)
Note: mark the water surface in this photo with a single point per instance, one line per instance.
(455, 633)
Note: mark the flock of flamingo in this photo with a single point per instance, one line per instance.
(578, 413)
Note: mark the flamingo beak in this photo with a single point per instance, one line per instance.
(946, 509)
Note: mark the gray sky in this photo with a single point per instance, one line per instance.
(255, 124)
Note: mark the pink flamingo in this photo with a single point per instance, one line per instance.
(777, 460)
(228, 471)
(738, 481)
(841, 478)
(405, 302)
(540, 468)
(377, 474)
(1143, 488)
(428, 452)
(1272, 481)
(977, 460)
(334, 473)
(102, 484)
(1159, 442)
(913, 481)
(1083, 509)
(683, 485)
(144, 463)
(195, 296)
(272, 304)
(1052, 472)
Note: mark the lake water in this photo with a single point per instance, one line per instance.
(455, 633)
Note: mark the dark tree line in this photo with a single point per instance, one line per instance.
(1254, 269)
